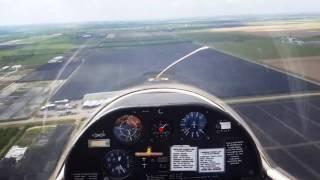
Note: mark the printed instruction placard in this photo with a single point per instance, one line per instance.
(183, 158)
(211, 160)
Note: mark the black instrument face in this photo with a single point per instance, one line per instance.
(193, 125)
(118, 164)
(161, 130)
(167, 142)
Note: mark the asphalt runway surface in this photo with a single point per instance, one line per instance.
(220, 74)
(289, 131)
(117, 68)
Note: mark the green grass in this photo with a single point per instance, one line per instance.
(314, 38)
(30, 136)
(138, 43)
(250, 46)
(7, 137)
(26, 135)
(39, 51)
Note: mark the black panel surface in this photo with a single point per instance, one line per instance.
(241, 161)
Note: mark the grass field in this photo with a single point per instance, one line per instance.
(250, 46)
(26, 135)
(138, 43)
(37, 51)
(33, 134)
(8, 136)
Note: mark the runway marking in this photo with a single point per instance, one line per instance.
(292, 145)
(52, 88)
(300, 115)
(53, 91)
(292, 110)
(288, 126)
(269, 98)
(283, 148)
(181, 59)
(312, 105)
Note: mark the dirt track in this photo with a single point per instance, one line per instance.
(305, 66)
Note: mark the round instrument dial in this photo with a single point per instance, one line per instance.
(193, 125)
(128, 129)
(161, 130)
(118, 164)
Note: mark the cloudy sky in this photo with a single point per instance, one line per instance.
(52, 11)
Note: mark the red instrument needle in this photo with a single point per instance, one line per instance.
(161, 129)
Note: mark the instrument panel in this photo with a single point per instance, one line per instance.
(164, 142)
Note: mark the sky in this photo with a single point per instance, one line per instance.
(13, 12)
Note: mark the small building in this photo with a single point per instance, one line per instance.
(96, 99)
(92, 103)
(66, 106)
(16, 152)
(63, 101)
(111, 36)
(5, 67)
(86, 36)
(70, 106)
(295, 41)
(48, 107)
(57, 59)
(66, 113)
(17, 66)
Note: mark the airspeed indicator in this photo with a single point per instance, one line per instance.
(193, 125)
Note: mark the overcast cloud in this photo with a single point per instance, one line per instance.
(52, 11)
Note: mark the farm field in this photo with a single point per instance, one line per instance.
(307, 67)
(35, 51)
(251, 46)
(259, 41)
